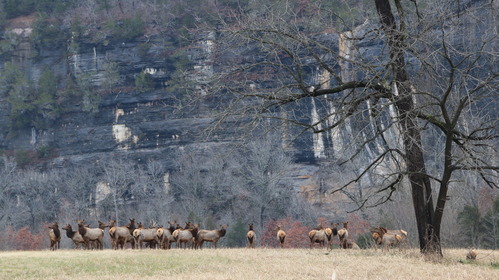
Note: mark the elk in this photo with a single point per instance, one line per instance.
(92, 234)
(210, 236)
(141, 234)
(122, 235)
(388, 238)
(318, 236)
(184, 236)
(136, 234)
(471, 254)
(352, 245)
(55, 236)
(343, 235)
(75, 236)
(330, 232)
(167, 238)
(112, 232)
(251, 236)
(281, 235)
(160, 233)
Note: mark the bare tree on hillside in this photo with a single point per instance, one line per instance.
(8, 172)
(423, 76)
(203, 183)
(119, 175)
(264, 165)
(151, 198)
(246, 182)
(33, 198)
(78, 192)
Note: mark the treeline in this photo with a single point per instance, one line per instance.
(249, 184)
(207, 187)
(187, 11)
(101, 22)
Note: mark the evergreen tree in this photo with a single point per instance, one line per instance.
(45, 101)
(469, 220)
(236, 236)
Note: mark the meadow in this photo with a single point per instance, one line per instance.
(242, 263)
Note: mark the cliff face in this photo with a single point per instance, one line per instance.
(145, 123)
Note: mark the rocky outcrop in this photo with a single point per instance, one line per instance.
(143, 123)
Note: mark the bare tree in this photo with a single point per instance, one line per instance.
(119, 175)
(150, 192)
(203, 183)
(264, 166)
(8, 176)
(415, 76)
(245, 182)
(78, 186)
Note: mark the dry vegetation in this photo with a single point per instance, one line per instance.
(244, 264)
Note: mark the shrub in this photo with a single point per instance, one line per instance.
(143, 49)
(43, 151)
(23, 239)
(365, 240)
(127, 29)
(26, 240)
(111, 76)
(15, 8)
(357, 226)
(47, 34)
(24, 157)
(144, 82)
(296, 234)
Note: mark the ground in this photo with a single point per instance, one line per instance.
(245, 263)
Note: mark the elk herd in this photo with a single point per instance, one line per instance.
(137, 235)
(190, 236)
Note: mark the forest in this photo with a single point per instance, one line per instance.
(335, 71)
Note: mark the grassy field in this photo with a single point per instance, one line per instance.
(245, 264)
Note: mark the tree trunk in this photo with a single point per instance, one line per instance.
(115, 203)
(429, 240)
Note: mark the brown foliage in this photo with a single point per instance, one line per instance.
(23, 239)
(296, 234)
(356, 226)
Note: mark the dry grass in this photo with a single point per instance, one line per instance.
(245, 264)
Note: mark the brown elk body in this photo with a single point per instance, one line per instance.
(184, 236)
(251, 236)
(471, 255)
(141, 235)
(92, 234)
(330, 233)
(75, 236)
(160, 233)
(210, 236)
(167, 238)
(343, 235)
(352, 245)
(120, 235)
(281, 236)
(318, 236)
(112, 233)
(55, 236)
(388, 238)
